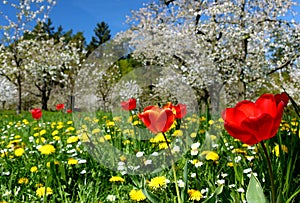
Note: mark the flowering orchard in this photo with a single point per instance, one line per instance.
(252, 157)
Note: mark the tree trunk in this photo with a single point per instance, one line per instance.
(19, 107)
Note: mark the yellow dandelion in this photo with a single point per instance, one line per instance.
(69, 122)
(84, 137)
(163, 145)
(193, 135)
(276, 150)
(55, 132)
(178, 133)
(123, 158)
(47, 149)
(25, 121)
(137, 195)
(107, 137)
(230, 164)
(19, 152)
(96, 130)
(117, 119)
(210, 122)
(23, 181)
(101, 139)
(56, 138)
(126, 142)
(194, 195)
(59, 127)
(17, 137)
(158, 138)
(239, 151)
(212, 156)
(135, 123)
(70, 129)
(202, 131)
(42, 191)
(72, 161)
(116, 179)
(110, 123)
(33, 169)
(213, 137)
(158, 182)
(72, 139)
(40, 139)
(43, 132)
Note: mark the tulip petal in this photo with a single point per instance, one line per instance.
(239, 133)
(266, 103)
(149, 118)
(277, 120)
(260, 127)
(165, 120)
(247, 107)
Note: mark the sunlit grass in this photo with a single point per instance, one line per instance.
(60, 159)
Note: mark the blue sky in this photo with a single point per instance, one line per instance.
(83, 15)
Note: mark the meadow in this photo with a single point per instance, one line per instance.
(78, 157)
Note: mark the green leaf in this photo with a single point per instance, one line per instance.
(213, 198)
(255, 193)
(150, 196)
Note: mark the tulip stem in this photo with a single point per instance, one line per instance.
(173, 168)
(270, 171)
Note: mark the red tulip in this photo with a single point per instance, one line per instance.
(282, 97)
(253, 122)
(157, 119)
(60, 107)
(129, 104)
(179, 110)
(69, 111)
(36, 113)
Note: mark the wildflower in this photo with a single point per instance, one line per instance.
(180, 183)
(157, 119)
(36, 113)
(128, 105)
(19, 152)
(60, 107)
(72, 139)
(43, 132)
(193, 135)
(116, 179)
(211, 155)
(276, 149)
(72, 161)
(178, 133)
(252, 122)
(194, 195)
(47, 149)
(158, 182)
(111, 198)
(42, 191)
(139, 154)
(55, 132)
(23, 181)
(33, 169)
(137, 195)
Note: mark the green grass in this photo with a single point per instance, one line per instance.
(103, 140)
